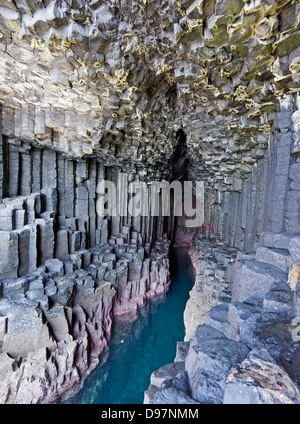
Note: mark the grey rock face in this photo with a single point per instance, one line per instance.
(171, 388)
(209, 90)
(26, 331)
(277, 257)
(294, 249)
(206, 71)
(56, 320)
(181, 351)
(257, 278)
(171, 395)
(217, 317)
(9, 258)
(269, 331)
(247, 352)
(258, 380)
(208, 362)
(279, 301)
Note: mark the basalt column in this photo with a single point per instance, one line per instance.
(160, 91)
(266, 199)
(65, 270)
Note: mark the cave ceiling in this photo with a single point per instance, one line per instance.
(117, 79)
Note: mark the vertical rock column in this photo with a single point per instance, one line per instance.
(292, 210)
(49, 169)
(36, 170)
(14, 168)
(82, 200)
(115, 220)
(91, 186)
(267, 198)
(25, 171)
(136, 220)
(61, 186)
(283, 151)
(69, 188)
(102, 228)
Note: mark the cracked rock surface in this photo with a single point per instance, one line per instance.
(119, 78)
(236, 351)
(199, 90)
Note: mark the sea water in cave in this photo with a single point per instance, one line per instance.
(140, 346)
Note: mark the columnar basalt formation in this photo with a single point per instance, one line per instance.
(66, 270)
(119, 80)
(200, 90)
(241, 344)
(58, 298)
(55, 322)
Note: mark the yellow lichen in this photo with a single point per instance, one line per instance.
(224, 74)
(66, 43)
(180, 8)
(294, 66)
(87, 22)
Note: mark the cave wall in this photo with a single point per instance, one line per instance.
(268, 198)
(65, 271)
(49, 208)
(114, 82)
(92, 88)
(238, 211)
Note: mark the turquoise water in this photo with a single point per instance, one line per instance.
(142, 345)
